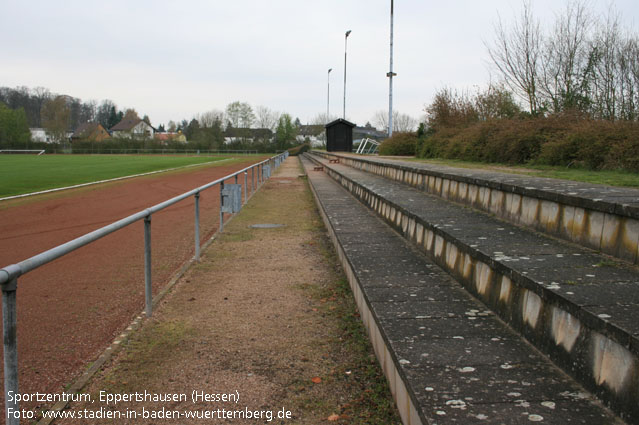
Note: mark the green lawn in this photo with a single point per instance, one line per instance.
(607, 177)
(30, 173)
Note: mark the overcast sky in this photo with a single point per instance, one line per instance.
(174, 59)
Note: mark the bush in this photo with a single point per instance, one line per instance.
(298, 150)
(564, 140)
(399, 144)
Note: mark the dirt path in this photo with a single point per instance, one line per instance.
(266, 315)
(71, 309)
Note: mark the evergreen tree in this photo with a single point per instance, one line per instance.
(285, 133)
(14, 128)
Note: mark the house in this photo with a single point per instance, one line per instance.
(368, 132)
(132, 127)
(314, 133)
(90, 131)
(170, 136)
(247, 135)
(40, 135)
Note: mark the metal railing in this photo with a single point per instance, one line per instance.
(9, 275)
(159, 151)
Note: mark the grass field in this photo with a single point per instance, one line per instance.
(29, 173)
(607, 177)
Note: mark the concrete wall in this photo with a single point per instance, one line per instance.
(610, 228)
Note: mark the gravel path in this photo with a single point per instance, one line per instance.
(260, 317)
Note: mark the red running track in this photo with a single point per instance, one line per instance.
(71, 309)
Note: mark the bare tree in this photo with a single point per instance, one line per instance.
(628, 65)
(566, 64)
(606, 81)
(323, 119)
(210, 118)
(516, 54)
(41, 95)
(266, 118)
(56, 117)
(401, 122)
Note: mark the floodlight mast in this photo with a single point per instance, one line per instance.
(328, 94)
(345, 41)
(390, 76)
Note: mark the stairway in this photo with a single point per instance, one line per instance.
(490, 248)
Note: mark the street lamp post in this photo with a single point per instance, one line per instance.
(345, 40)
(390, 76)
(328, 94)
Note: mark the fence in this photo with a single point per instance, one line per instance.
(152, 151)
(230, 201)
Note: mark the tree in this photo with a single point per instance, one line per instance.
(103, 113)
(494, 103)
(285, 133)
(191, 129)
(56, 118)
(240, 114)
(266, 118)
(206, 137)
(566, 65)
(323, 119)
(114, 117)
(210, 118)
(40, 95)
(14, 128)
(401, 122)
(451, 109)
(172, 126)
(517, 54)
(131, 114)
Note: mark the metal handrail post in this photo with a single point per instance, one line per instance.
(252, 180)
(245, 186)
(10, 342)
(197, 226)
(221, 203)
(147, 266)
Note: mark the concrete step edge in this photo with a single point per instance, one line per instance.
(612, 228)
(601, 356)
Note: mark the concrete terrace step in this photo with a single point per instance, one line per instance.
(596, 216)
(447, 358)
(577, 306)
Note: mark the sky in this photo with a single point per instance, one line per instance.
(171, 60)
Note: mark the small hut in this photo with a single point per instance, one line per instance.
(339, 136)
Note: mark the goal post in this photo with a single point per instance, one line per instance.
(37, 152)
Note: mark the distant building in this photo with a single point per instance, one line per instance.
(132, 128)
(368, 132)
(314, 133)
(40, 135)
(170, 137)
(247, 135)
(90, 131)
